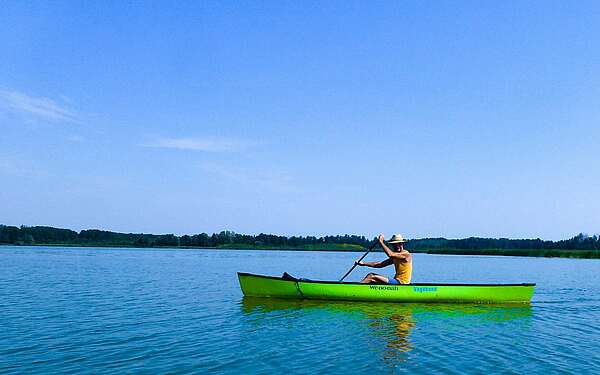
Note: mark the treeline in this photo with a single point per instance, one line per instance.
(43, 235)
(579, 242)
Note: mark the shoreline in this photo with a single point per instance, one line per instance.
(531, 253)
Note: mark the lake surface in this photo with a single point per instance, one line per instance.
(98, 310)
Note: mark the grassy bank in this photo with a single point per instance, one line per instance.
(315, 247)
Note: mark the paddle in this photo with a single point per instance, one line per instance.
(361, 258)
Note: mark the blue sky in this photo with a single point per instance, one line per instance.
(430, 119)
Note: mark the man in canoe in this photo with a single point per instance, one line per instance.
(399, 257)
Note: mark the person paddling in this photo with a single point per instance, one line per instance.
(399, 257)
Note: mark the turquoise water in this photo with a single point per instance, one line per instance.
(67, 310)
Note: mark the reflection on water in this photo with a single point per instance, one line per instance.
(387, 326)
(396, 334)
(392, 329)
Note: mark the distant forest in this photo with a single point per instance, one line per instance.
(43, 235)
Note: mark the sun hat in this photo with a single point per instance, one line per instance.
(397, 238)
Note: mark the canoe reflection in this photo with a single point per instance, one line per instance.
(389, 325)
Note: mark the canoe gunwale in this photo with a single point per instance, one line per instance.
(356, 283)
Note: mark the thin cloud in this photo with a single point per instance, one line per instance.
(36, 107)
(75, 138)
(14, 167)
(264, 179)
(198, 144)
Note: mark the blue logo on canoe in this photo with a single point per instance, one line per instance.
(424, 289)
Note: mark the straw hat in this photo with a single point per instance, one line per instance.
(397, 238)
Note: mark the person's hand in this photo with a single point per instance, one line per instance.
(358, 264)
(381, 238)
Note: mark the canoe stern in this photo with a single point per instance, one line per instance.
(253, 286)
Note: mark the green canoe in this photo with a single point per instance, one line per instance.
(289, 287)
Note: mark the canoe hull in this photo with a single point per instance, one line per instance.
(275, 287)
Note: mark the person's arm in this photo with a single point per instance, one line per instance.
(389, 252)
(385, 263)
(385, 248)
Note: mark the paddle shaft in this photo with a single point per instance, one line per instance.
(361, 258)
